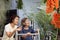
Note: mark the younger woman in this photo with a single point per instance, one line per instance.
(11, 28)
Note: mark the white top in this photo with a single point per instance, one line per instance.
(8, 28)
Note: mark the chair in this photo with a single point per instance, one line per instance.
(19, 34)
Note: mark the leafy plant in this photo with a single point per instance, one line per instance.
(20, 4)
(45, 1)
(44, 22)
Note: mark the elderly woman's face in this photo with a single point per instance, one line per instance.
(15, 21)
(27, 22)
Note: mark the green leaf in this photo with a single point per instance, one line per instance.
(20, 4)
(45, 1)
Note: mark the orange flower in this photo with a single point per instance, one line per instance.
(56, 3)
(56, 20)
(51, 4)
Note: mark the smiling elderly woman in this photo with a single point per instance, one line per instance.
(11, 28)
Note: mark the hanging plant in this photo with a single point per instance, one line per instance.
(20, 4)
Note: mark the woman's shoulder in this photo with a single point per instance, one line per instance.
(7, 25)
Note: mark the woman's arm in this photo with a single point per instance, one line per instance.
(24, 36)
(9, 34)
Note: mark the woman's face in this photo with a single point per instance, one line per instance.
(15, 21)
(27, 22)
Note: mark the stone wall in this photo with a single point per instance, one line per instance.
(3, 8)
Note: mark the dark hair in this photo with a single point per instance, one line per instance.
(23, 21)
(13, 17)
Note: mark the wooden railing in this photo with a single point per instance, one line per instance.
(19, 34)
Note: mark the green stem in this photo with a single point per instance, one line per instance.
(57, 35)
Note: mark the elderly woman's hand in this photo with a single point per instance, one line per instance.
(28, 34)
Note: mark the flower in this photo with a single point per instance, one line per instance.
(51, 4)
(56, 20)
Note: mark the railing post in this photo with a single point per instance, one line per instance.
(48, 36)
(16, 37)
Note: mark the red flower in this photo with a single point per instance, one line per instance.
(56, 20)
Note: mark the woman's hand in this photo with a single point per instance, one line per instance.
(28, 34)
(19, 29)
